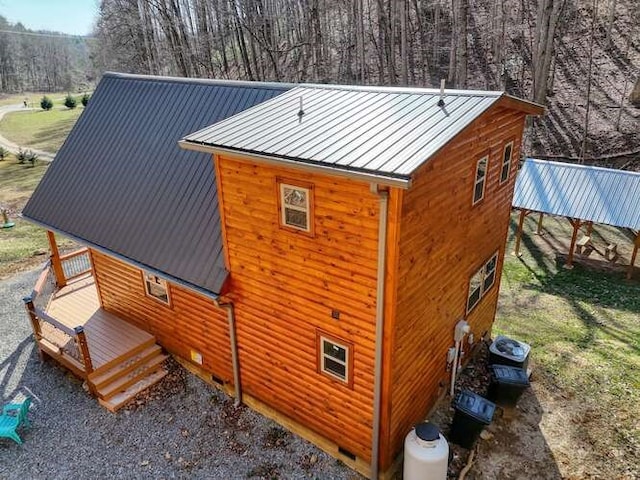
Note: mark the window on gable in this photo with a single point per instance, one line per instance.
(506, 162)
(156, 287)
(482, 281)
(480, 180)
(295, 206)
(334, 358)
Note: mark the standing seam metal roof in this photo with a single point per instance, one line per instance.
(600, 195)
(387, 132)
(121, 183)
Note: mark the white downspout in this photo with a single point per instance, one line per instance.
(377, 385)
(462, 328)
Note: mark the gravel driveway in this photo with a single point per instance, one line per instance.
(187, 429)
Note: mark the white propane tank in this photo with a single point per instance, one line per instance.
(426, 454)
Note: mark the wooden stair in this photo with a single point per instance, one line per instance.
(122, 379)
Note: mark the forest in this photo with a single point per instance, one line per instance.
(580, 58)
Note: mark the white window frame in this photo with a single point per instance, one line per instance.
(159, 282)
(347, 354)
(284, 206)
(506, 162)
(478, 281)
(482, 180)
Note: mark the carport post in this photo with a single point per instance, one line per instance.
(516, 250)
(636, 246)
(576, 223)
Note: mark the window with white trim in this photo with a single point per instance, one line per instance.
(482, 281)
(295, 207)
(157, 288)
(480, 180)
(506, 162)
(334, 358)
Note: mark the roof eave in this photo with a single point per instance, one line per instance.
(400, 182)
(165, 276)
(527, 106)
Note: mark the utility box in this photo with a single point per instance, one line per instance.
(426, 454)
(507, 351)
(473, 413)
(507, 385)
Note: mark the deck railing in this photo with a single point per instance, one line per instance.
(65, 342)
(75, 263)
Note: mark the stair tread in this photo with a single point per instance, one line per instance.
(140, 370)
(117, 401)
(149, 343)
(118, 369)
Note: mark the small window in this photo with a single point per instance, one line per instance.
(482, 281)
(156, 287)
(334, 358)
(506, 162)
(481, 176)
(295, 207)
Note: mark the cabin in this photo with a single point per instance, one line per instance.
(309, 248)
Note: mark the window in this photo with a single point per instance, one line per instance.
(295, 206)
(155, 287)
(506, 162)
(482, 281)
(334, 358)
(481, 176)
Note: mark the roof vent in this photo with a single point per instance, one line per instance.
(441, 101)
(301, 111)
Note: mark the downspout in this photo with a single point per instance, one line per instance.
(383, 196)
(231, 318)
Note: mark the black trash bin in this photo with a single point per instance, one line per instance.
(473, 412)
(507, 351)
(507, 384)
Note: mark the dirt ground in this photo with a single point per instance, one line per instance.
(541, 439)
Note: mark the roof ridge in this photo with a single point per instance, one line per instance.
(202, 81)
(586, 167)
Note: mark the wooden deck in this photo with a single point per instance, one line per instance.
(109, 337)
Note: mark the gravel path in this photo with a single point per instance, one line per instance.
(14, 147)
(195, 432)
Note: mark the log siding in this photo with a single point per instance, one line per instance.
(444, 239)
(191, 322)
(286, 284)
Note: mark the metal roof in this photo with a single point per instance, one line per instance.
(121, 183)
(600, 195)
(386, 132)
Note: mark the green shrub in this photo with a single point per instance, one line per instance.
(46, 103)
(85, 99)
(4, 153)
(70, 102)
(21, 156)
(25, 156)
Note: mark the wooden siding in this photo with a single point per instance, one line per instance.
(285, 285)
(443, 240)
(192, 322)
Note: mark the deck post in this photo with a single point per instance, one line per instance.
(516, 250)
(84, 351)
(539, 228)
(35, 324)
(56, 263)
(576, 224)
(634, 254)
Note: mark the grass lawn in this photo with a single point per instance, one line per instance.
(25, 245)
(33, 98)
(38, 128)
(584, 329)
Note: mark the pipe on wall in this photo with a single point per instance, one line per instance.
(383, 199)
(235, 362)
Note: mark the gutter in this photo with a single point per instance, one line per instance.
(383, 197)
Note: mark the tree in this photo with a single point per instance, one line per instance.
(85, 99)
(543, 46)
(46, 103)
(70, 101)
